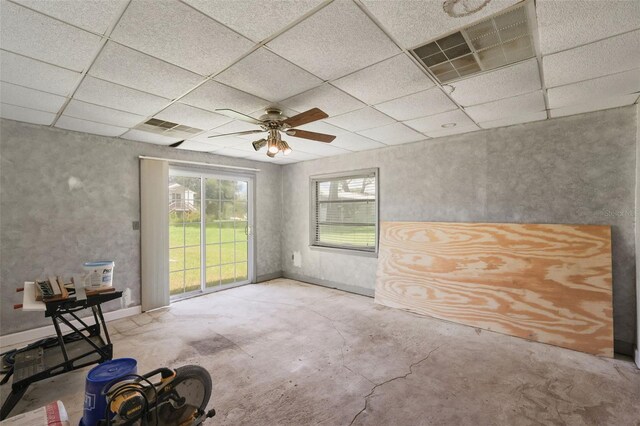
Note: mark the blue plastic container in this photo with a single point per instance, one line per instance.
(95, 403)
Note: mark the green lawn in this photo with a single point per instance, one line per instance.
(226, 260)
(363, 235)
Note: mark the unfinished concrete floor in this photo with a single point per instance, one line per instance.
(288, 353)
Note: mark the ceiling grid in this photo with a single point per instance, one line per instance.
(372, 100)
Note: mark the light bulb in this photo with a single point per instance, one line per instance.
(286, 149)
(273, 146)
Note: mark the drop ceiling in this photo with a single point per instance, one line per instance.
(106, 67)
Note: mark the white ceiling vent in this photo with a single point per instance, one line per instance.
(168, 128)
(494, 42)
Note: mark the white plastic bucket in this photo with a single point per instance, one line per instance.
(98, 273)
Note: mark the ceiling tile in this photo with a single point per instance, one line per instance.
(509, 107)
(192, 145)
(37, 36)
(434, 123)
(335, 41)
(280, 160)
(326, 97)
(177, 33)
(355, 142)
(247, 147)
(255, 19)
(71, 123)
(191, 116)
(393, 134)
(623, 83)
(362, 119)
(313, 147)
(566, 24)
(509, 121)
(604, 57)
(421, 104)
(128, 67)
(112, 95)
(295, 156)
(230, 152)
(100, 114)
(37, 75)
(91, 15)
(29, 98)
(212, 95)
(413, 22)
(513, 80)
(219, 142)
(396, 77)
(595, 105)
(268, 76)
(13, 112)
(142, 136)
(453, 131)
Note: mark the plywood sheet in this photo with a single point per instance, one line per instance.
(548, 283)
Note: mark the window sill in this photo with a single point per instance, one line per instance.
(346, 251)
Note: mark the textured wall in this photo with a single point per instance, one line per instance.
(575, 170)
(637, 218)
(68, 197)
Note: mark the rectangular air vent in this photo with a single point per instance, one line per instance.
(168, 128)
(489, 44)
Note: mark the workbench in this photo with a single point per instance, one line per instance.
(84, 345)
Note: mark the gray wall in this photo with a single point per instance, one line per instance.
(48, 227)
(576, 170)
(637, 218)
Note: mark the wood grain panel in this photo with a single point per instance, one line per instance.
(548, 283)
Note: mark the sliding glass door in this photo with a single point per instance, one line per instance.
(210, 237)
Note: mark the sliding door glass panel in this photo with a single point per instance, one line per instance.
(184, 234)
(209, 233)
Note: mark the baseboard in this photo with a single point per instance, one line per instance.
(22, 337)
(271, 276)
(369, 292)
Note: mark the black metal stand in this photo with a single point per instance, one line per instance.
(84, 346)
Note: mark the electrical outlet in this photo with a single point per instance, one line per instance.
(136, 225)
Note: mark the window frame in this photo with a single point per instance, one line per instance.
(312, 212)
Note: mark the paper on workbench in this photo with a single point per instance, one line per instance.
(29, 302)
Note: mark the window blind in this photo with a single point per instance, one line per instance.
(345, 212)
(154, 233)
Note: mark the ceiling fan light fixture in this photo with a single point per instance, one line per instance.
(273, 147)
(259, 144)
(285, 148)
(274, 122)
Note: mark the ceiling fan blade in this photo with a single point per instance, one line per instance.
(176, 144)
(313, 114)
(246, 132)
(320, 137)
(238, 116)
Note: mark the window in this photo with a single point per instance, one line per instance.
(344, 211)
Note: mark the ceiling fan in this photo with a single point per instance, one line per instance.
(274, 123)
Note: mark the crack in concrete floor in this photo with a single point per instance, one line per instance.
(404, 376)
